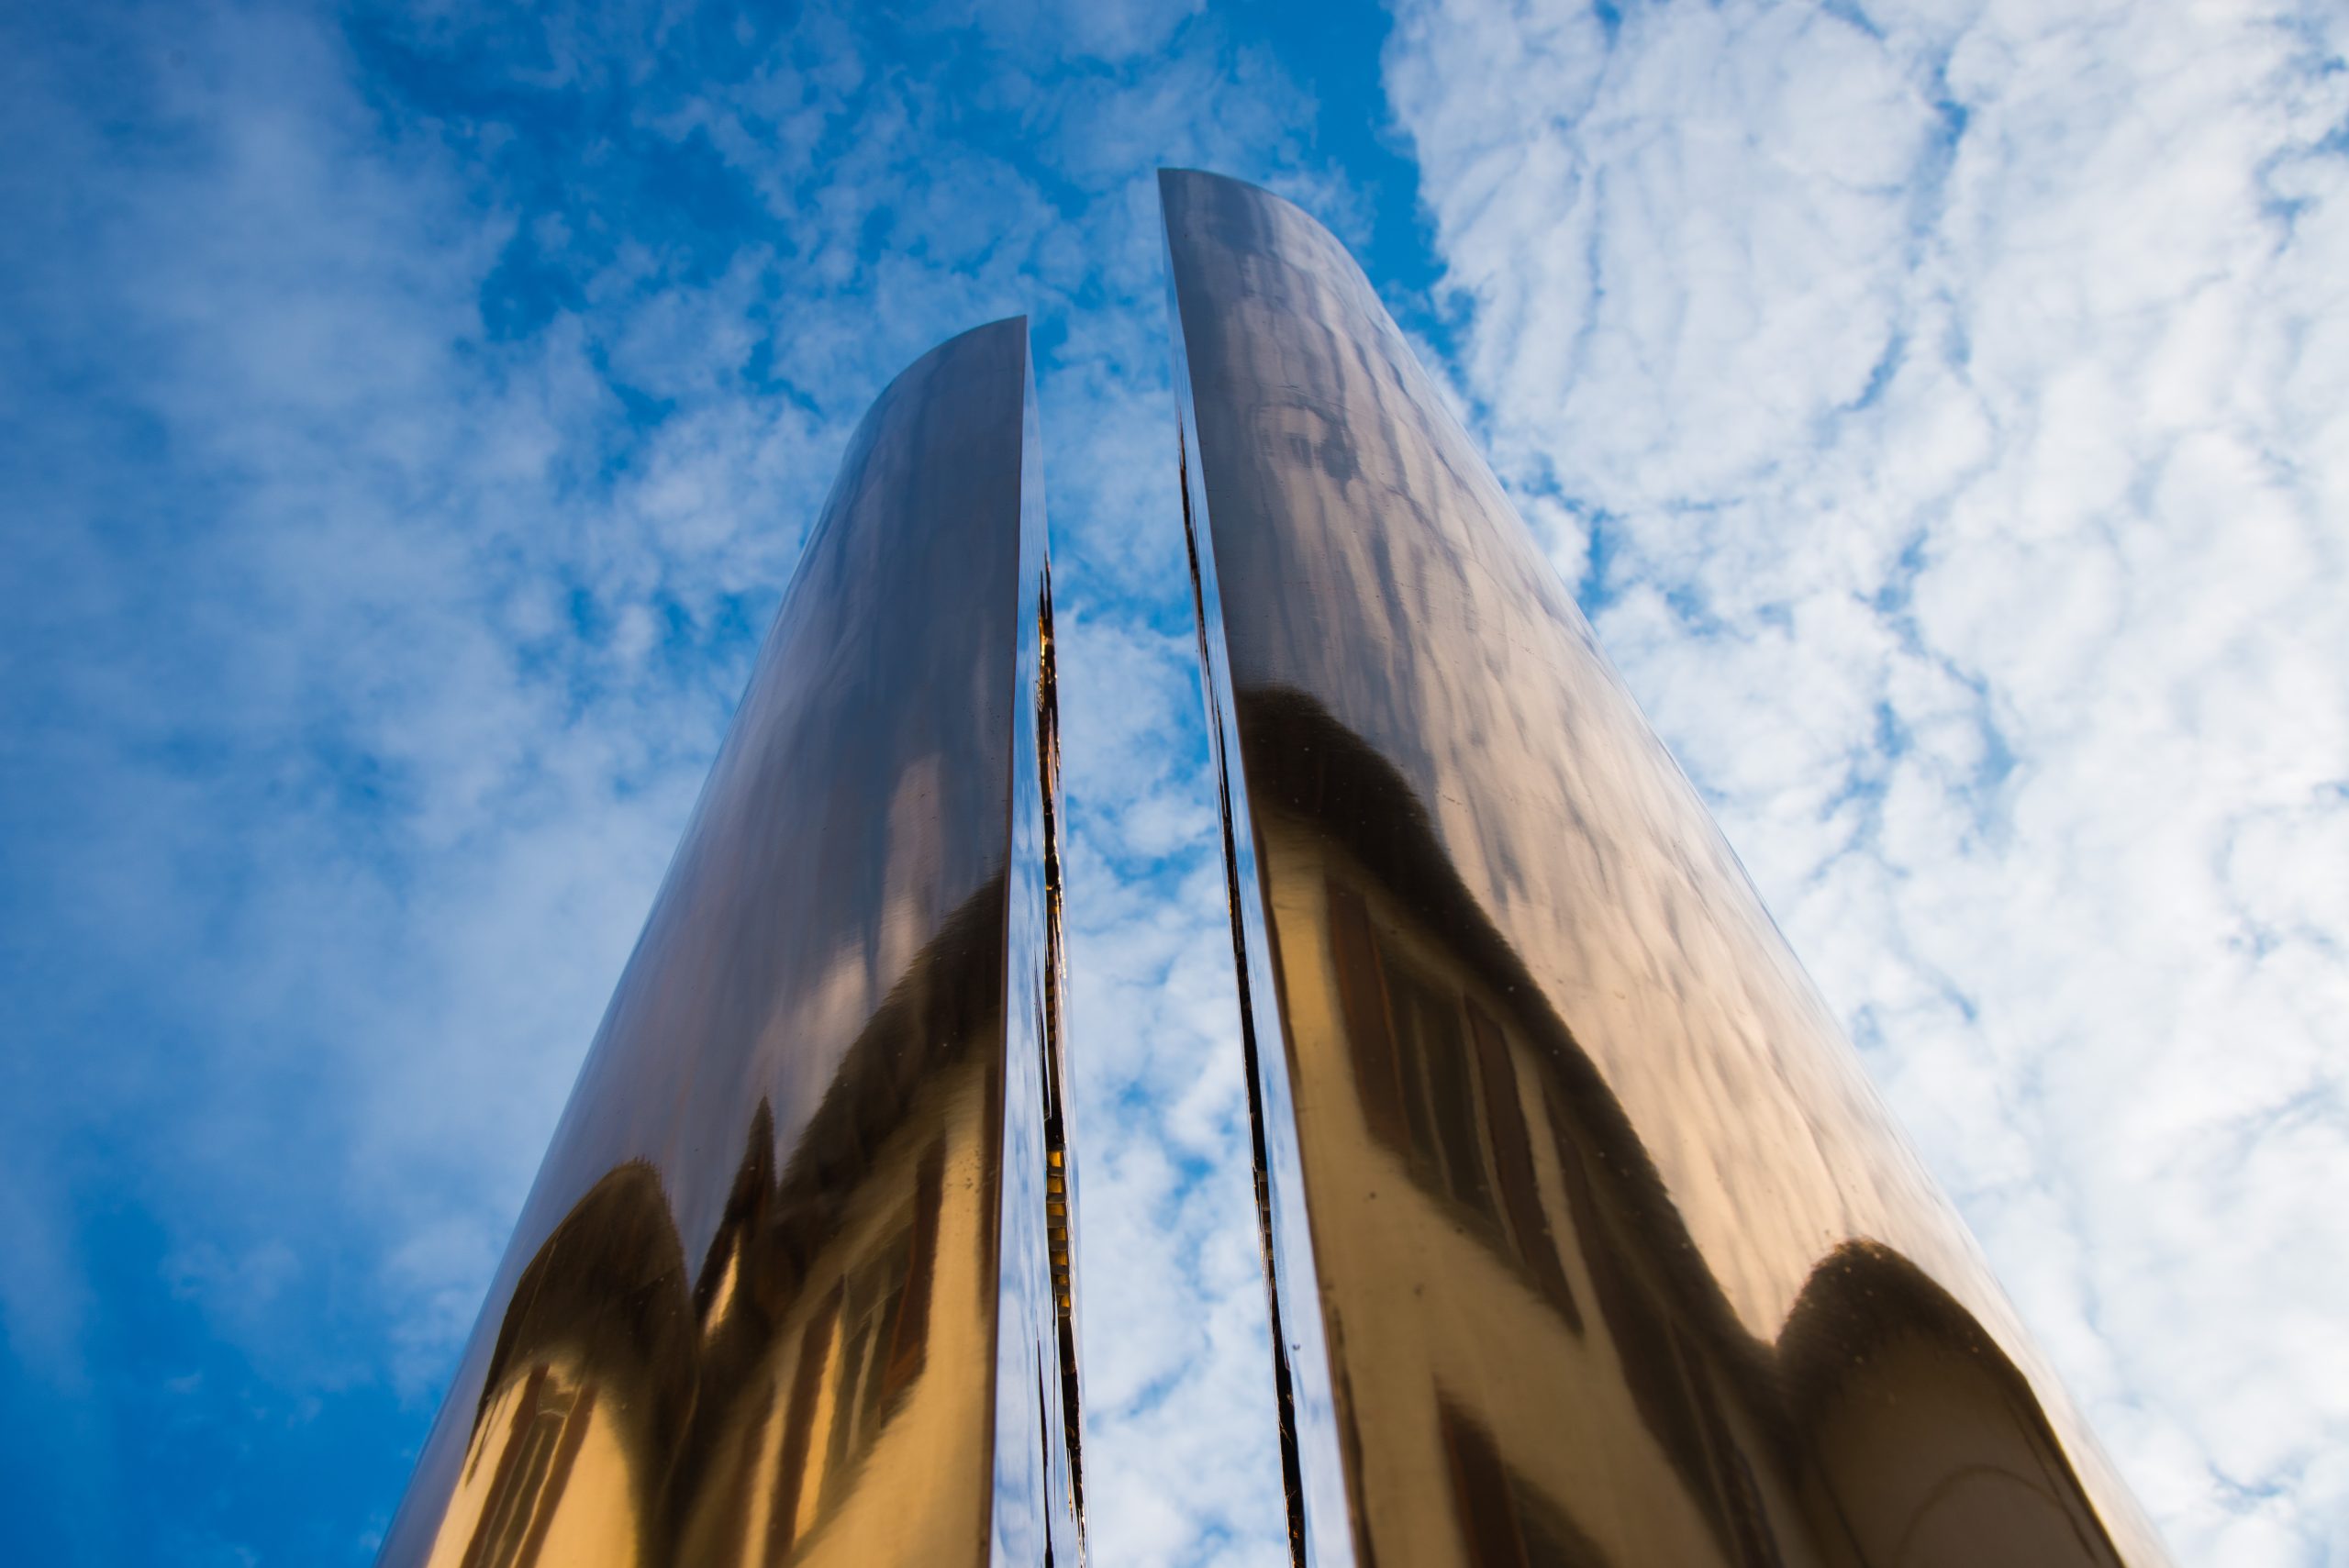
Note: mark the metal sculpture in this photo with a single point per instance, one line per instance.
(1589, 1241)
(793, 1284)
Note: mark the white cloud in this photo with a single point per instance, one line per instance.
(1959, 398)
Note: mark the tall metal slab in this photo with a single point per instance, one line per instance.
(792, 1286)
(1589, 1241)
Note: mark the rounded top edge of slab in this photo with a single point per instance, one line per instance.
(1244, 217)
(1230, 185)
(1003, 343)
(1002, 326)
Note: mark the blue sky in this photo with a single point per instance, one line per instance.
(410, 418)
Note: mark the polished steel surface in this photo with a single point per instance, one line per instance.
(1589, 1241)
(792, 1285)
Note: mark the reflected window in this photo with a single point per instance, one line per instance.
(1433, 1074)
(1505, 1522)
(884, 1326)
(1438, 1083)
(869, 1307)
(533, 1467)
(799, 1421)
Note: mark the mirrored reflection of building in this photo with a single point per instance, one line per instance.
(1591, 1244)
(793, 1287)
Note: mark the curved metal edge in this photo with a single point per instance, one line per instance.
(1312, 1463)
(1038, 1506)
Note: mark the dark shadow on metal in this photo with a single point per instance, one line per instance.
(792, 1285)
(1588, 1241)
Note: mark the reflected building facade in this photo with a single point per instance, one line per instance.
(1589, 1242)
(792, 1285)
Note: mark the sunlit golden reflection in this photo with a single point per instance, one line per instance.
(1592, 1243)
(793, 1287)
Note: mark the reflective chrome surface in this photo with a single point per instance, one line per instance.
(792, 1285)
(1589, 1241)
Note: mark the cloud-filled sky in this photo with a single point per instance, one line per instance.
(409, 418)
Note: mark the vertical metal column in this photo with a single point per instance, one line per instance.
(792, 1285)
(1589, 1241)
